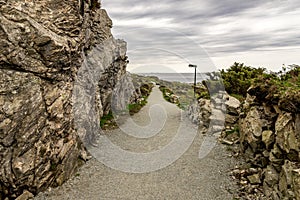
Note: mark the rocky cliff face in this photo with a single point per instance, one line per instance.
(44, 44)
(270, 137)
(97, 84)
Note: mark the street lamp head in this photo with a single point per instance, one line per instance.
(195, 78)
(190, 65)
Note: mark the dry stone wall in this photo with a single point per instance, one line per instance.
(217, 114)
(270, 138)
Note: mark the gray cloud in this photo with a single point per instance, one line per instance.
(220, 27)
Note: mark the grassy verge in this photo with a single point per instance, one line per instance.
(166, 93)
(136, 107)
(146, 90)
(108, 121)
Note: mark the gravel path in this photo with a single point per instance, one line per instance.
(187, 178)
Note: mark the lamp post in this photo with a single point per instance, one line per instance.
(195, 77)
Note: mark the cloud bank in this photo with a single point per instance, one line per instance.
(173, 33)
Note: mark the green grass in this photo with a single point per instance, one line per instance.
(105, 119)
(203, 95)
(166, 90)
(108, 121)
(235, 130)
(136, 107)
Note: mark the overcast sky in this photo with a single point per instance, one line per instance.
(212, 34)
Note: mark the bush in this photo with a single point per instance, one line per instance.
(146, 89)
(238, 78)
(281, 89)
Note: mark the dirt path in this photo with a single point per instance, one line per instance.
(189, 177)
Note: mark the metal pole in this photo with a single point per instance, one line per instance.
(195, 78)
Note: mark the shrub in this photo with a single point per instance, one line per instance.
(281, 89)
(238, 78)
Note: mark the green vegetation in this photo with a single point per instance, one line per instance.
(169, 96)
(145, 89)
(202, 92)
(238, 78)
(107, 120)
(182, 90)
(213, 86)
(281, 88)
(238, 96)
(236, 129)
(136, 107)
(166, 93)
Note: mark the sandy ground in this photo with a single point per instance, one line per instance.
(188, 177)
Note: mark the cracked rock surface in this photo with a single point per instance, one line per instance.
(42, 47)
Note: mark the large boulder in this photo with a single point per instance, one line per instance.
(287, 138)
(251, 129)
(233, 105)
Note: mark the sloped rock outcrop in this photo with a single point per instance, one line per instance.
(43, 46)
(130, 89)
(97, 87)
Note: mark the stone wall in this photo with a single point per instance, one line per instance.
(268, 134)
(270, 139)
(43, 46)
(217, 114)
